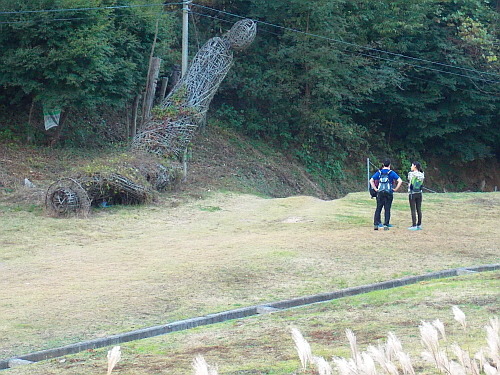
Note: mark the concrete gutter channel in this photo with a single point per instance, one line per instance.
(233, 314)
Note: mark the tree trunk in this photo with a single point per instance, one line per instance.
(135, 108)
(149, 74)
(57, 135)
(163, 90)
(29, 137)
(151, 88)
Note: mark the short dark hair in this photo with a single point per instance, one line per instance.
(387, 162)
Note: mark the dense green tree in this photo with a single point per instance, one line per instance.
(329, 79)
(56, 54)
(323, 83)
(438, 109)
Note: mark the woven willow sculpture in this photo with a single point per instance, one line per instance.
(166, 133)
(174, 121)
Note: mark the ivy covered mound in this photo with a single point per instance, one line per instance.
(125, 179)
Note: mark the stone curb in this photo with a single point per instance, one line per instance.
(234, 314)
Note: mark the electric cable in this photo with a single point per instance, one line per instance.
(353, 44)
(86, 9)
(272, 25)
(367, 55)
(268, 24)
(383, 58)
(277, 26)
(226, 21)
(155, 14)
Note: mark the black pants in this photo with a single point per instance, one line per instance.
(416, 208)
(384, 200)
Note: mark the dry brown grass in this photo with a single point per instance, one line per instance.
(263, 345)
(66, 280)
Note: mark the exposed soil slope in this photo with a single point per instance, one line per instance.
(218, 160)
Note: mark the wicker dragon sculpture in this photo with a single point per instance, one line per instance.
(166, 134)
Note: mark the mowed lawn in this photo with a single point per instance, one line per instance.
(68, 280)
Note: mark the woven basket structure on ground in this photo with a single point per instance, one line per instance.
(67, 197)
(127, 179)
(74, 197)
(174, 122)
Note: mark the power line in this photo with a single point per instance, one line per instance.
(223, 20)
(156, 14)
(364, 54)
(272, 25)
(268, 24)
(86, 9)
(358, 45)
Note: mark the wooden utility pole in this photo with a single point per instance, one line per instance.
(184, 67)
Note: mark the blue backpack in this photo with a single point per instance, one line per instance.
(385, 185)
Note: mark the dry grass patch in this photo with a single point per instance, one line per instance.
(66, 280)
(264, 345)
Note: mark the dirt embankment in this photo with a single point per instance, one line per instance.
(218, 160)
(223, 160)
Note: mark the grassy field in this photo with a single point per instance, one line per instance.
(67, 280)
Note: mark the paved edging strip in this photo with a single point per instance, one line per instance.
(238, 314)
(133, 335)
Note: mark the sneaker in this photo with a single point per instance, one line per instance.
(386, 227)
(375, 227)
(389, 225)
(413, 228)
(380, 225)
(419, 227)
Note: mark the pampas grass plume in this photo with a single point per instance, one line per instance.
(480, 357)
(455, 368)
(201, 367)
(367, 365)
(430, 340)
(322, 365)
(393, 346)
(114, 355)
(351, 337)
(377, 353)
(493, 340)
(438, 324)
(389, 359)
(459, 316)
(490, 370)
(344, 366)
(470, 365)
(429, 337)
(406, 365)
(303, 348)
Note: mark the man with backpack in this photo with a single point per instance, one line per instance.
(382, 182)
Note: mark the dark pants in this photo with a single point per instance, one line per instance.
(416, 208)
(384, 200)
